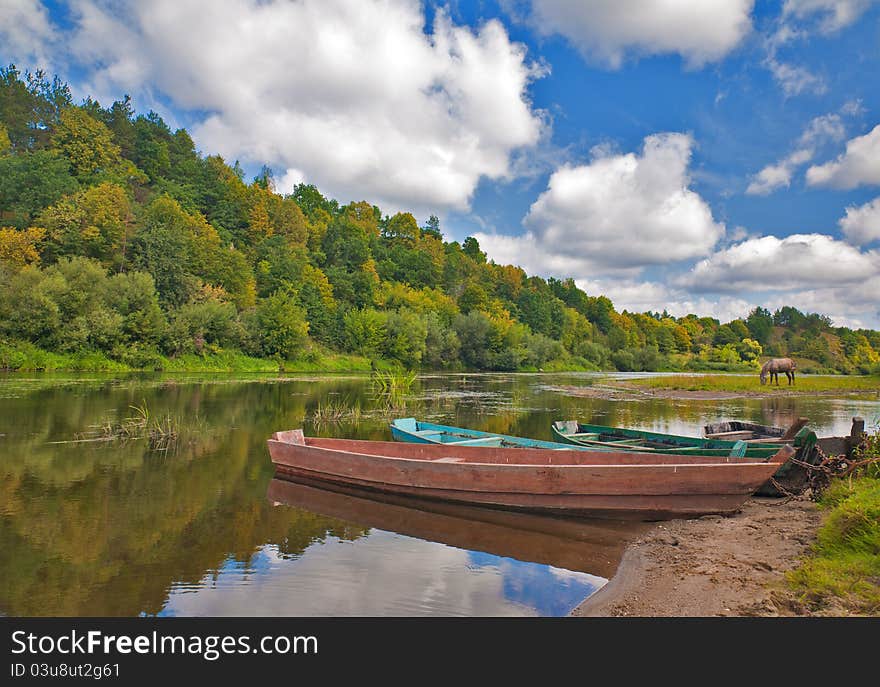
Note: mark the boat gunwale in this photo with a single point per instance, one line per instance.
(720, 461)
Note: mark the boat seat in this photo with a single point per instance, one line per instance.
(427, 432)
(739, 449)
(490, 441)
(585, 435)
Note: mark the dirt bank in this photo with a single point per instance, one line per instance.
(712, 566)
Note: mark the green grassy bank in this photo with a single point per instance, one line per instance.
(842, 573)
(25, 357)
(747, 383)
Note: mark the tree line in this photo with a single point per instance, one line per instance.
(118, 238)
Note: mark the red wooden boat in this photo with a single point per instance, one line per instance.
(615, 484)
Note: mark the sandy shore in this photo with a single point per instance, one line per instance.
(712, 566)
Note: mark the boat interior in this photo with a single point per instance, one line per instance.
(441, 453)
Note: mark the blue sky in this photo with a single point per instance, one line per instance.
(695, 155)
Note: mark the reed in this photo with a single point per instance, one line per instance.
(391, 389)
(161, 431)
(336, 411)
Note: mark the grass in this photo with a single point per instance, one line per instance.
(751, 383)
(20, 356)
(27, 357)
(390, 389)
(842, 572)
(336, 411)
(161, 431)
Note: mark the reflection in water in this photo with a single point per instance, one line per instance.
(383, 574)
(113, 528)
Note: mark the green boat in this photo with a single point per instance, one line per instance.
(601, 436)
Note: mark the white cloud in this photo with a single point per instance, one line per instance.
(859, 165)
(354, 94)
(861, 224)
(607, 30)
(25, 32)
(641, 296)
(618, 213)
(289, 180)
(795, 79)
(831, 14)
(777, 175)
(768, 263)
(820, 129)
(845, 305)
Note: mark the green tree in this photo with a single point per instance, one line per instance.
(364, 331)
(760, 325)
(441, 343)
(96, 222)
(477, 337)
(283, 326)
(749, 350)
(405, 340)
(471, 248)
(30, 182)
(133, 295)
(86, 143)
(5, 143)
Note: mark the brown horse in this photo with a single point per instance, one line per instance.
(776, 365)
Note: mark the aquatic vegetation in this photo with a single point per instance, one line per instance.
(391, 389)
(161, 431)
(335, 411)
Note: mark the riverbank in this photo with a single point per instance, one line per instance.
(719, 387)
(712, 566)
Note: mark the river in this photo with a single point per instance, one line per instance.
(98, 519)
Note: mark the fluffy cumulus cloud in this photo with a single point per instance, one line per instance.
(858, 166)
(795, 262)
(701, 31)
(353, 96)
(777, 175)
(25, 32)
(641, 296)
(619, 213)
(861, 224)
(820, 130)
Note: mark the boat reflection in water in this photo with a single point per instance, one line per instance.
(587, 546)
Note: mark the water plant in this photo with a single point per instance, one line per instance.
(161, 431)
(391, 389)
(332, 411)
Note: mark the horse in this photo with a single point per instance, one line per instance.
(776, 365)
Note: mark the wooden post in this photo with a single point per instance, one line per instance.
(856, 435)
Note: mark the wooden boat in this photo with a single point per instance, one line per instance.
(794, 476)
(410, 430)
(612, 438)
(610, 484)
(733, 430)
(590, 546)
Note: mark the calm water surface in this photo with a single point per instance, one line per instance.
(120, 528)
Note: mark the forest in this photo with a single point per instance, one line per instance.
(124, 247)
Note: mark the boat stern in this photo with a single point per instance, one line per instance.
(290, 436)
